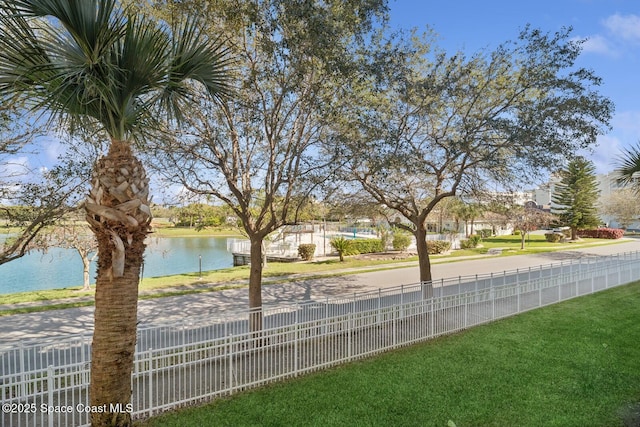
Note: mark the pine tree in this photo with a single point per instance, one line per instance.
(576, 196)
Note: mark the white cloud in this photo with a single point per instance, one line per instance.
(626, 27)
(625, 134)
(53, 149)
(598, 44)
(627, 123)
(603, 155)
(621, 30)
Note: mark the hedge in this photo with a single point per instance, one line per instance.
(553, 237)
(401, 241)
(366, 246)
(602, 233)
(438, 246)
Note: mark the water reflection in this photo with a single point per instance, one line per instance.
(61, 268)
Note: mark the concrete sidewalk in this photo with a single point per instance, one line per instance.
(60, 323)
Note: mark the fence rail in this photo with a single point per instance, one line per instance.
(46, 383)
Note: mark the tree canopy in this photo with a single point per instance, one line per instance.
(264, 153)
(419, 126)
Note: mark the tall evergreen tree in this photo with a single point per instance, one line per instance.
(576, 196)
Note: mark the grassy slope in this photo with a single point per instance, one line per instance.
(573, 364)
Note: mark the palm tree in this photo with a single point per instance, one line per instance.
(628, 168)
(90, 65)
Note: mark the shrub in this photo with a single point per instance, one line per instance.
(438, 246)
(553, 237)
(485, 233)
(306, 251)
(401, 241)
(342, 246)
(516, 232)
(566, 232)
(602, 233)
(366, 246)
(472, 242)
(466, 244)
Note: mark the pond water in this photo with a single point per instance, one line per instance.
(60, 268)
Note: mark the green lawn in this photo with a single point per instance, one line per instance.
(165, 231)
(572, 364)
(534, 243)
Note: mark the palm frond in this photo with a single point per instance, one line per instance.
(629, 166)
(88, 61)
(21, 56)
(195, 57)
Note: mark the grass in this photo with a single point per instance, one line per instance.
(277, 272)
(535, 243)
(572, 364)
(163, 231)
(192, 283)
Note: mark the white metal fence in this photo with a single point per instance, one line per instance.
(46, 383)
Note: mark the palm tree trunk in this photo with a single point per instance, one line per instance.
(118, 213)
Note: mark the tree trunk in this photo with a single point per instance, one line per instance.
(86, 266)
(423, 260)
(118, 214)
(574, 233)
(255, 284)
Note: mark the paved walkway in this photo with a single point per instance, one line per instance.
(59, 323)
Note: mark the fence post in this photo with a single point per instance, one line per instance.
(353, 306)
(379, 317)
(493, 303)
(518, 288)
(540, 283)
(230, 350)
(466, 310)
(150, 368)
(295, 345)
(394, 318)
(326, 315)
(23, 380)
(50, 386)
(433, 317)
(349, 340)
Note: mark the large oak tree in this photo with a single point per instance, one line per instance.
(263, 153)
(420, 126)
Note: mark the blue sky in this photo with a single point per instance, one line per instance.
(612, 28)
(612, 50)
